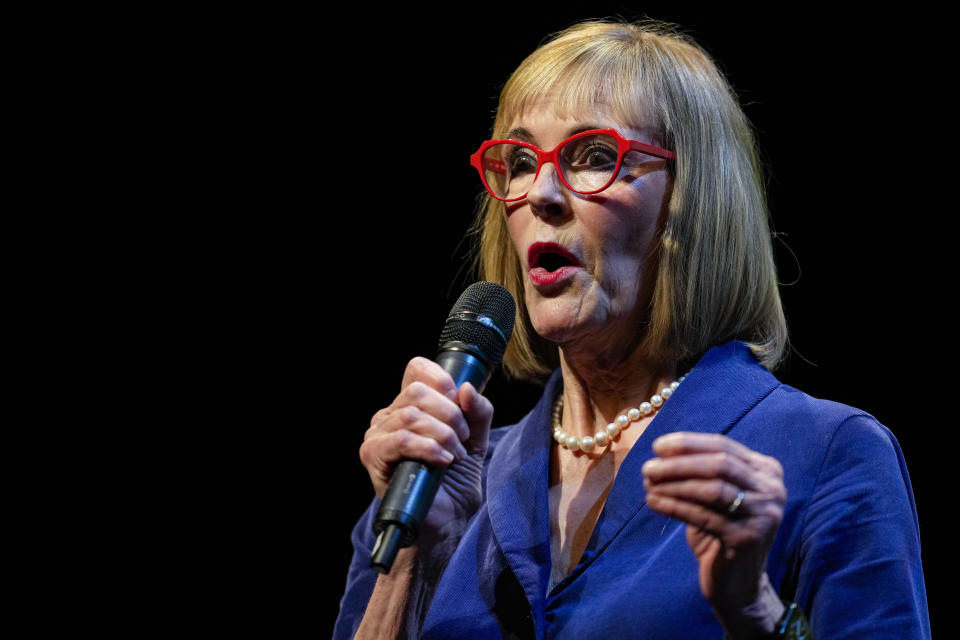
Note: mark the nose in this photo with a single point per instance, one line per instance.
(547, 195)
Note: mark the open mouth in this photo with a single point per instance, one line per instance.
(550, 257)
(552, 261)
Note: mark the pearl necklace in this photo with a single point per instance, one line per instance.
(605, 436)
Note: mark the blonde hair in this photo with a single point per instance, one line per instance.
(716, 279)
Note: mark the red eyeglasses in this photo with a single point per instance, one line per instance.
(586, 163)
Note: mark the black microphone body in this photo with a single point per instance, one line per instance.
(471, 346)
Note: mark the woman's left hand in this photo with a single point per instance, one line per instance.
(732, 499)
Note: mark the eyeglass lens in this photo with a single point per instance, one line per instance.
(586, 163)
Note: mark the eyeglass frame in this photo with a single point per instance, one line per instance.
(623, 146)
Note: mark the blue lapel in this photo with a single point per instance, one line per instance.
(517, 500)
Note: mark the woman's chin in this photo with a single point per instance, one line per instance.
(560, 328)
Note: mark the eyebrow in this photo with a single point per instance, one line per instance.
(522, 133)
(519, 133)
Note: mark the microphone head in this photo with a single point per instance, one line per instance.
(482, 317)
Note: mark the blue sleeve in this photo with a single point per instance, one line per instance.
(860, 573)
(360, 577)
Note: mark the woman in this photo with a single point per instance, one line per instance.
(666, 485)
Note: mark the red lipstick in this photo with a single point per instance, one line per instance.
(550, 263)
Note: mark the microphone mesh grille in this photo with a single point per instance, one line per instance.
(486, 299)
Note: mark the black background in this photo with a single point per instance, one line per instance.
(846, 109)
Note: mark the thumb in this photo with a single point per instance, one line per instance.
(478, 412)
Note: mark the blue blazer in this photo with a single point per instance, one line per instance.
(848, 549)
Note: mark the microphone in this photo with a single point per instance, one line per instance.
(472, 343)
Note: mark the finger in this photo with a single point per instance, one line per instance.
(687, 442)
(432, 402)
(729, 501)
(714, 494)
(684, 442)
(741, 533)
(415, 420)
(709, 520)
(478, 412)
(431, 374)
(387, 449)
(716, 465)
(380, 455)
(409, 445)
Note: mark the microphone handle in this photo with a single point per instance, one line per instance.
(414, 484)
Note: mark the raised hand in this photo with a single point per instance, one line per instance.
(732, 499)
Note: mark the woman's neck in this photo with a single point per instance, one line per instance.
(596, 390)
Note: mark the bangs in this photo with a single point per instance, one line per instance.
(577, 82)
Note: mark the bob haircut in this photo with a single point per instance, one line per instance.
(715, 277)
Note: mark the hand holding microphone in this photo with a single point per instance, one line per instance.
(427, 448)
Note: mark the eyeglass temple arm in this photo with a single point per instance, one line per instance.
(651, 150)
(497, 166)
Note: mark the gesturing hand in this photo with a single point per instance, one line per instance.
(732, 499)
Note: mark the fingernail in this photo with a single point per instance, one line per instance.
(473, 391)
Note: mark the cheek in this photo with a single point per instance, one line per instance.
(626, 243)
(628, 255)
(621, 279)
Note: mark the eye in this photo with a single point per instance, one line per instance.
(600, 156)
(520, 160)
(590, 153)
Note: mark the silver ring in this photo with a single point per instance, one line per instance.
(732, 509)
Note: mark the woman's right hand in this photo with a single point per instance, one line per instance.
(432, 421)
